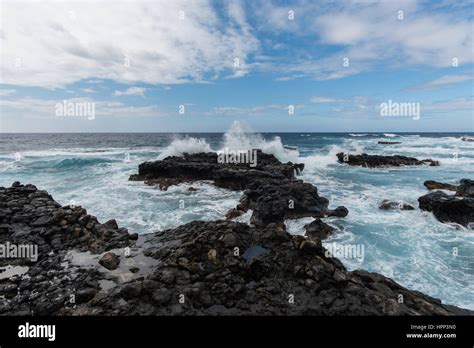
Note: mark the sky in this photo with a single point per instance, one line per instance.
(199, 65)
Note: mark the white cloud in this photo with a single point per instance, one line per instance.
(445, 80)
(45, 108)
(132, 91)
(123, 41)
(352, 31)
(318, 100)
(147, 42)
(88, 90)
(248, 111)
(370, 35)
(451, 105)
(6, 92)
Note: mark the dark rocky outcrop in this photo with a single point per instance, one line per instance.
(270, 188)
(373, 161)
(205, 166)
(465, 188)
(458, 208)
(436, 185)
(391, 205)
(317, 230)
(389, 142)
(229, 268)
(44, 284)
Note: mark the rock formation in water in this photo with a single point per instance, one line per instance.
(373, 161)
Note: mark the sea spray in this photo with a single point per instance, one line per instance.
(237, 138)
(185, 145)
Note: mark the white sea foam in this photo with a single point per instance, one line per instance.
(238, 137)
(187, 144)
(242, 137)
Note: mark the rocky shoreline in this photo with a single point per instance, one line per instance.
(219, 267)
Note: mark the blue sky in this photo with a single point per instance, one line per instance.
(332, 62)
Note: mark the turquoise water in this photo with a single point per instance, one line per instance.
(412, 247)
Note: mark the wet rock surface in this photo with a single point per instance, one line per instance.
(110, 260)
(205, 166)
(435, 185)
(457, 208)
(318, 230)
(373, 161)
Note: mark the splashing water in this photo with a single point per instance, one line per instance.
(238, 137)
(187, 144)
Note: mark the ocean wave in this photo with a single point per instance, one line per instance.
(185, 145)
(238, 137)
(390, 135)
(358, 135)
(81, 162)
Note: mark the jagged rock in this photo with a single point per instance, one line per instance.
(389, 142)
(466, 188)
(270, 188)
(449, 208)
(372, 161)
(277, 200)
(205, 166)
(389, 205)
(270, 266)
(435, 185)
(338, 212)
(110, 260)
(233, 213)
(318, 230)
(111, 224)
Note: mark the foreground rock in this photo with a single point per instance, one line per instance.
(457, 208)
(270, 188)
(201, 268)
(373, 161)
(37, 279)
(229, 268)
(318, 230)
(110, 260)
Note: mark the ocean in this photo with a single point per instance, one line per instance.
(411, 247)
